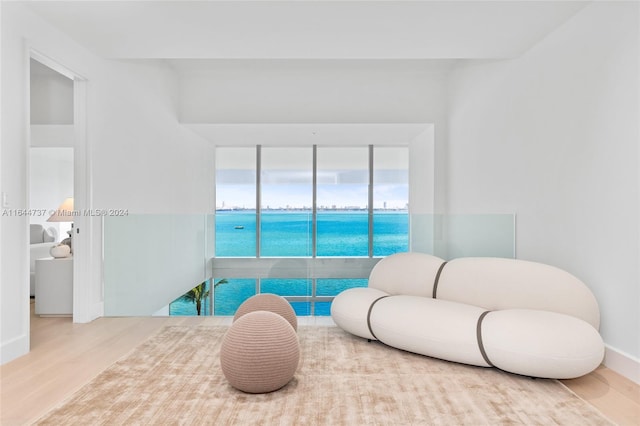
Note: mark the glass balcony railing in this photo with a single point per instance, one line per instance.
(152, 261)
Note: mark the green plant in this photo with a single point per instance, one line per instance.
(200, 293)
(222, 281)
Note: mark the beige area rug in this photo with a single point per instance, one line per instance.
(175, 378)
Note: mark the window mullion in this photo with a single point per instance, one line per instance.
(370, 201)
(314, 206)
(258, 196)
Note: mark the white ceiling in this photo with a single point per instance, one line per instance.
(307, 29)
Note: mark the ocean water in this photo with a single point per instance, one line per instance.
(289, 234)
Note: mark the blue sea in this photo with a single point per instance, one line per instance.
(289, 234)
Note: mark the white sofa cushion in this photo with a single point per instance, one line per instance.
(39, 234)
(406, 273)
(49, 235)
(437, 328)
(350, 311)
(541, 344)
(497, 283)
(36, 234)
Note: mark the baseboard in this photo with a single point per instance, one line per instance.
(622, 363)
(97, 310)
(14, 348)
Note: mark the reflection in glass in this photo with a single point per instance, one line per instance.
(334, 286)
(187, 304)
(228, 297)
(286, 287)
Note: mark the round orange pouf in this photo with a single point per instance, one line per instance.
(268, 302)
(259, 352)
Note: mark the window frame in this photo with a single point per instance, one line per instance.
(314, 208)
(311, 267)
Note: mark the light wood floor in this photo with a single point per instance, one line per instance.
(65, 356)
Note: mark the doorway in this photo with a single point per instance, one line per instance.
(51, 182)
(57, 129)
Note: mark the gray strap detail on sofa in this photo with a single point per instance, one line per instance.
(369, 315)
(435, 283)
(479, 337)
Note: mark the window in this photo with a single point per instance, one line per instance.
(236, 202)
(286, 198)
(342, 201)
(315, 203)
(390, 200)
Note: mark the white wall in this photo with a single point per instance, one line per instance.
(553, 137)
(14, 315)
(312, 91)
(143, 159)
(140, 158)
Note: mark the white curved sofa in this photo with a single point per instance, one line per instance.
(522, 317)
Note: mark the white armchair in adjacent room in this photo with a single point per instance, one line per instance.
(41, 241)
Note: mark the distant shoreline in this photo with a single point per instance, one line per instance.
(302, 210)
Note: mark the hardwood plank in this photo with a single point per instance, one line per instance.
(62, 362)
(614, 395)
